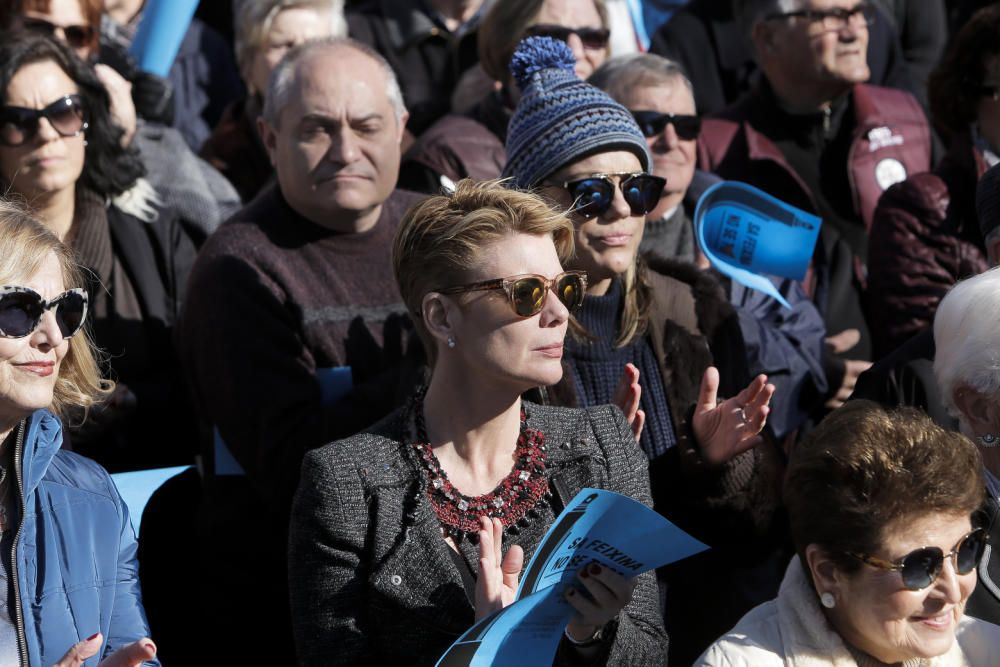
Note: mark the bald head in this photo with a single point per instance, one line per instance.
(336, 54)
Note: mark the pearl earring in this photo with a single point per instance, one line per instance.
(988, 440)
(451, 342)
(827, 600)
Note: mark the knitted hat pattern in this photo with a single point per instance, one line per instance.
(988, 200)
(561, 119)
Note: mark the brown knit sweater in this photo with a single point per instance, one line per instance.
(272, 298)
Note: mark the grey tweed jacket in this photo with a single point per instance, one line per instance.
(371, 580)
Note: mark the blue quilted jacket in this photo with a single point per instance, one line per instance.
(74, 553)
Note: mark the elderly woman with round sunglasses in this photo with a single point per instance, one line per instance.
(69, 572)
(406, 534)
(60, 152)
(881, 506)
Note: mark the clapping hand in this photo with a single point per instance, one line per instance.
(726, 430)
(498, 576)
(627, 397)
(130, 655)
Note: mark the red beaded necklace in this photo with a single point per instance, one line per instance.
(516, 495)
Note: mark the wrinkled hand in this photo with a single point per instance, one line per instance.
(726, 430)
(122, 107)
(130, 655)
(498, 577)
(610, 592)
(627, 397)
(852, 369)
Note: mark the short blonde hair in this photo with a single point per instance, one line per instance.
(25, 243)
(967, 337)
(442, 236)
(254, 19)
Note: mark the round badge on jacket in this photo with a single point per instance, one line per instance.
(888, 172)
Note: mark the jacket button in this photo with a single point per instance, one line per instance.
(396, 580)
(565, 445)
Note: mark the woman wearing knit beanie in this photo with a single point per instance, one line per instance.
(665, 325)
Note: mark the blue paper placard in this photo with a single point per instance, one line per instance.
(136, 488)
(747, 234)
(161, 31)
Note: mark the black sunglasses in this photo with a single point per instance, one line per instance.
(862, 14)
(19, 124)
(591, 38)
(21, 309)
(527, 293)
(921, 567)
(594, 194)
(652, 123)
(76, 36)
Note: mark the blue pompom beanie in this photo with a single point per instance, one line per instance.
(561, 119)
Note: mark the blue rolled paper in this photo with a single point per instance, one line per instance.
(747, 234)
(161, 31)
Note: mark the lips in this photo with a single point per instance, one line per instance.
(39, 368)
(941, 621)
(612, 240)
(554, 351)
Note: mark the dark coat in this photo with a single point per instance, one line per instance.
(924, 238)
(236, 150)
(427, 59)
(984, 603)
(708, 43)
(370, 576)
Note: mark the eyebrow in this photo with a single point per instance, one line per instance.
(324, 118)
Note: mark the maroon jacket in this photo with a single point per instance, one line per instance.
(890, 126)
(925, 237)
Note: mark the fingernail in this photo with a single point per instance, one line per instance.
(93, 636)
(595, 569)
(151, 646)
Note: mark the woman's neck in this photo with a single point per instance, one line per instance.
(472, 429)
(56, 210)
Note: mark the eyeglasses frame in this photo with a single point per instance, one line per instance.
(897, 566)
(865, 9)
(670, 120)
(507, 286)
(46, 306)
(38, 114)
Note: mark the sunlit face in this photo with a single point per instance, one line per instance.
(495, 344)
(291, 27)
(337, 148)
(877, 615)
(49, 162)
(811, 53)
(606, 245)
(62, 14)
(575, 14)
(29, 366)
(673, 158)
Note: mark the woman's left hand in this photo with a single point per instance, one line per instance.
(130, 655)
(610, 592)
(726, 430)
(498, 576)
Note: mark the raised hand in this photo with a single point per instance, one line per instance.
(627, 397)
(498, 576)
(130, 655)
(609, 592)
(725, 430)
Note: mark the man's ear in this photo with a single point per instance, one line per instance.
(762, 36)
(268, 137)
(401, 130)
(977, 410)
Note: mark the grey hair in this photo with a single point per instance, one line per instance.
(255, 17)
(284, 76)
(967, 338)
(620, 74)
(748, 12)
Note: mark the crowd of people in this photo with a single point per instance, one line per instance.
(397, 279)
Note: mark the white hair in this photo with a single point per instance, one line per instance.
(285, 73)
(967, 337)
(748, 12)
(619, 75)
(255, 17)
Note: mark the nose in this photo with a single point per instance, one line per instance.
(669, 137)
(47, 334)
(554, 312)
(575, 45)
(344, 146)
(948, 584)
(619, 208)
(45, 130)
